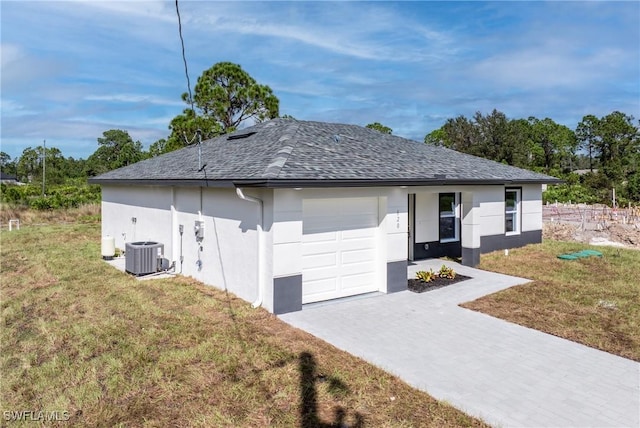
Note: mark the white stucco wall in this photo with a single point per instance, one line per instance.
(151, 208)
(229, 250)
(426, 217)
(492, 208)
(397, 222)
(491, 200)
(531, 207)
(227, 257)
(489, 204)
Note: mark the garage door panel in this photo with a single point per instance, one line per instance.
(316, 250)
(319, 247)
(358, 206)
(313, 275)
(359, 221)
(339, 248)
(319, 289)
(318, 227)
(317, 207)
(354, 269)
(357, 256)
(320, 261)
(357, 244)
(358, 233)
(358, 282)
(319, 236)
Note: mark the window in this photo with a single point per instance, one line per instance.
(448, 209)
(512, 211)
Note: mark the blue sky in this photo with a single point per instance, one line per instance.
(72, 70)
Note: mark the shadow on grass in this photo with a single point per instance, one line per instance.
(309, 401)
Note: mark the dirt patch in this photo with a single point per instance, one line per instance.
(418, 286)
(592, 224)
(613, 234)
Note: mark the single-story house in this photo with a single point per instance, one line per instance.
(8, 179)
(290, 212)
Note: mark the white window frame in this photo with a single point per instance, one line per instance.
(516, 212)
(455, 214)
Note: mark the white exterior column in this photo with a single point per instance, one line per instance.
(470, 229)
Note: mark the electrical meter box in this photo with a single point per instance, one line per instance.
(199, 230)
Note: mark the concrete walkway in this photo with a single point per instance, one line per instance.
(508, 375)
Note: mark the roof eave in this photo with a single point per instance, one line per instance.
(292, 183)
(318, 183)
(158, 182)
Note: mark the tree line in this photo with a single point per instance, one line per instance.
(225, 96)
(604, 151)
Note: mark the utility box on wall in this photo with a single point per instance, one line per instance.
(199, 230)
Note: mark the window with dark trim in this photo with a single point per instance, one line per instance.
(512, 211)
(448, 213)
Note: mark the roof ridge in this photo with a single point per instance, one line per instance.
(280, 158)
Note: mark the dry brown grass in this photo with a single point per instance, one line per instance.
(89, 213)
(81, 337)
(594, 301)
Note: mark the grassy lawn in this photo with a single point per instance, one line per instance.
(594, 301)
(80, 337)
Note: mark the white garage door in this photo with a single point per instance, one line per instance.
(338, 248)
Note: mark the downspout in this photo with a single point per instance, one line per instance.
(260, 203)
(174, 227)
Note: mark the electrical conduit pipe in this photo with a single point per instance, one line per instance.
(260, 203)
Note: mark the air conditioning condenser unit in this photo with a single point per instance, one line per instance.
(143, 257)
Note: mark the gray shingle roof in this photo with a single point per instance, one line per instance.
(288, 153)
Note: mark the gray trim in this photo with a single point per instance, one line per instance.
(436, 249)
(287, 183)
(287, 294)
(396, 276)
(162, 183)
(500, 242)
(470, 256)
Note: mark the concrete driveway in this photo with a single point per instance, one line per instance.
(508, 375)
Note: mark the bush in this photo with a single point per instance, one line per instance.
(64, 196)
(426, 276)
(446, 272)
(41, 204)
(569, 192)
(11, 194)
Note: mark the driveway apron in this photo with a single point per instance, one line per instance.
(506, 374)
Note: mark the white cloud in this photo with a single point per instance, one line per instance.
(546, 68)
(147, 9)
(19, 67)
(10, 53)
(97, 10)
(135, 98)
(11, 108)
(372, 33)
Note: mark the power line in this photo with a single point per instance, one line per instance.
(184, 59)
(44, 163)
